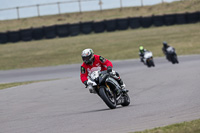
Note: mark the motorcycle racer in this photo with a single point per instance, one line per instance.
(141, 53)
(92, 62)
(164, 49)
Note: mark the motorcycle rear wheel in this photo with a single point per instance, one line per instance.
(126, 100)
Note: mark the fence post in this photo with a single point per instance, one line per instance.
(141, 2)
(17, 8)
(100, 5)
(79, 6)
(59, 8)
(38, 10)
(121, 4)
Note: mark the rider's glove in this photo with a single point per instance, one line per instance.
(85, 82)
(113, 73)
(109, 69)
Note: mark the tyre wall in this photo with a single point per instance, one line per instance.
(99, 27)
(38, 33)
(13, 36)
(74, 29)
(65, 30)
(158, 20)
(135, 23)
(50, 32)
(3, 38)
(111, 25)
(86, 27)
(26, 35)
(62, 30)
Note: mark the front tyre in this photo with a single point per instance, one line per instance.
(108, 97)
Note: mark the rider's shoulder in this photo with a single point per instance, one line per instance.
(96, 56)
(83, 65)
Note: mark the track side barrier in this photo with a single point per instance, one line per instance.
(3, 38)
(122, 24)
(74, 29)
(86, 27)
(99, 27)
(14, 36)
(158, 20)
(26, 35)
(65, 30)
(62, 30)
(38, 33)
(135, 22)
(111, 25)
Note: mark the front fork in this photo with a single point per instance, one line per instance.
(109, 90)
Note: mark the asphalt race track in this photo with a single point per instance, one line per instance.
(160, 96)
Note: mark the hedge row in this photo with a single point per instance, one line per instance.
(66, 30)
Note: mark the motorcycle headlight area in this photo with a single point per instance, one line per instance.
(94, 75)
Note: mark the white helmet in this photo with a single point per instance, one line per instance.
(87, 56)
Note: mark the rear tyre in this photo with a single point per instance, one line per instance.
(108, 98)
(173, 59)
(176, 60)
(152, 63)
(126, 100)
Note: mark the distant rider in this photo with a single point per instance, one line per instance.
(93, 62)
(164, 49)
(141, 53)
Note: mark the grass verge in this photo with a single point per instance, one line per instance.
(112, 45)
(9, 85)
(185, 127)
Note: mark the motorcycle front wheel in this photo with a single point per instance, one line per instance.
(108, 97)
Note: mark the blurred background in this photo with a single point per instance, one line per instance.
(16, 9)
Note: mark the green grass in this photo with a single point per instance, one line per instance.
(112, 45)
(9, 85)
(185, 127)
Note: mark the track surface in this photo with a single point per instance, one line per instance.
(160, 96)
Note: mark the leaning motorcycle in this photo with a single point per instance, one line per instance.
(148, 59)
(101, 83)
(171, 55)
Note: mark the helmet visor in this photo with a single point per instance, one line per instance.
(87, 59)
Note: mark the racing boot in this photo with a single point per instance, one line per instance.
(141, 59)
(123, 86)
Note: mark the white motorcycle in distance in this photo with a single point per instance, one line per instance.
(148, 59)
(171, 55)
(101, 83)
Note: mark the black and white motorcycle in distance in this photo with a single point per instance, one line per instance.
(171, 55)
(101, 83)
(148, 59)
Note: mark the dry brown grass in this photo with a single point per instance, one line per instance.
(166, 8)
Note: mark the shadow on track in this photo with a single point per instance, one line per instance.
(101, 110)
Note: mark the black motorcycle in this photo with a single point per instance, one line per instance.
(171, 55)
(101, 83)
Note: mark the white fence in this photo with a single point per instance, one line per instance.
(71, 6)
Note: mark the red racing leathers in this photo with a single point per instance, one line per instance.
(99, 63)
